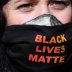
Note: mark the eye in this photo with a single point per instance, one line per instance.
(59, 4)
(26, 7)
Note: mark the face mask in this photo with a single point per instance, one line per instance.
(39, 45)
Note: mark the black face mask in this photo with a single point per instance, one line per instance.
(36, 47)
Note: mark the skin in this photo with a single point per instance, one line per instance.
(16, 14)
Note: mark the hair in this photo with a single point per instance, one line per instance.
(2, 17)
(3, 2)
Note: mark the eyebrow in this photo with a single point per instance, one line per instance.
(59, 0)
(26, 1)
(17, 1)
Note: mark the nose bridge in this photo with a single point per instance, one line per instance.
(43, 8)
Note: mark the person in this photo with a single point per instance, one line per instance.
(18, 13)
